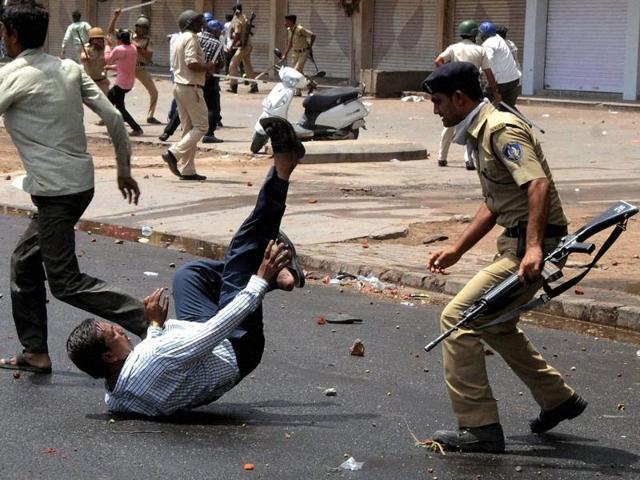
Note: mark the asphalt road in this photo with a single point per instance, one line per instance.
(279, 419)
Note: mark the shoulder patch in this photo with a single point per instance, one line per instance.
(512, 151)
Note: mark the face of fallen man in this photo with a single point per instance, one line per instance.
(117, 341)
(449, 108)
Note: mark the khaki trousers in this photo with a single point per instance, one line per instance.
(145, 79)
(445, 143)
(300, 59)
(242, 55)
(194, 122)
(464, 361)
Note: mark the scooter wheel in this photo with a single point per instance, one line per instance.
(258, 142)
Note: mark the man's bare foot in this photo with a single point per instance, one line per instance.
(30, 361)
(285, 280)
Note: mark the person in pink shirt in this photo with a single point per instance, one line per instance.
(123, 59)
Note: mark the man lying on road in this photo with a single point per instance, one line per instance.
(219, 338)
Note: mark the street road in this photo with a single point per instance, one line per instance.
(279, 419)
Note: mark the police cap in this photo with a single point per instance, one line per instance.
(448, 78)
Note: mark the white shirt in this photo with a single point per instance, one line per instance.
(466, 51)
(42, 97)
(75, 32)
(185, 364)
(226, 31)
(503, 65)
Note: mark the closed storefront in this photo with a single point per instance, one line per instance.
(510, 13)
(404, 34)
(60, 19)
(585, 45)
(164, 21)
(332, 50)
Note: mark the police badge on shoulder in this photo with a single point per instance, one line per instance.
(512, 151)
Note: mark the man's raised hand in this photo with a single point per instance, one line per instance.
(275, 259)
(156, 308)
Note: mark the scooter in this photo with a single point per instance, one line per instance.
(333, 114)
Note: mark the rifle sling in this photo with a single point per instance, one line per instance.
(554, 292)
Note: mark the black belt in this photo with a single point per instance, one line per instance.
(549, 232)
(297, 50)
(189, 85)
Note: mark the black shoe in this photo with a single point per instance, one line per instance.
(294, 265)
(194, 176)
(164, 137)
(220, 125)
(211, 139)
(232, 89)
(254, 88)
(154, 121)
(488, 439)
(442, 163)
(136, 133)
(547, 419)
(283, 136)
(172, 162)
(469, 166)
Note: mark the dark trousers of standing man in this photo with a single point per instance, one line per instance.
(116, 96)
(509, 92)
(211, 93)
(203, 287)
(47, 251)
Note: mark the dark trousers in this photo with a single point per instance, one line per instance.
(202, 287)
(509, 92)
(211, 93)
(47, 251)
(116, 96)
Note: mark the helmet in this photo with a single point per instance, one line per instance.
(468, 28)
(143, 21)
(487, 29)
(187, 18)
(213, 25)
(208, 16)
(96, 32)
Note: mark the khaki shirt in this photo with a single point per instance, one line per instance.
(509, 156)
(94, 64)
(42, 98)
(143, 42)
(300, 37)
(466, 51)
(187, 50)
(239, 25)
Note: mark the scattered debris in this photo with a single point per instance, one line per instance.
(321, 320)
(355, 189)
(545, 115)
(146, 231)
(579, 291)
(150, 274)
(412, 98)
(621, 407)
(518, 468)
(172, 265)
(249, 466)
(17, 375)
(573, 369)
(390, 233)
(312, 201)
(287, 435)
(249, 184)
(357, 349)
(638, 354)
(118, 242)
(143, 240)
(430, 445)
(419, 295)
(407, 303)
(351, 464)
(394, 160)
(604, 133)
(8, 177)
(365, 243)
(93, 240)
(342, 318)
(49, 450)
(461, 218)
(434, 239)
(330, 392)
(367, 104)
(488, 353)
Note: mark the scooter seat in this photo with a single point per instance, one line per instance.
(323, 101)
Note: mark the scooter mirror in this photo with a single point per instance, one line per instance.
(278, 53)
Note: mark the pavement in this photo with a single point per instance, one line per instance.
(355, 217)
(279, 419)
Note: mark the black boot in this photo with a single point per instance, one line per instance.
(254, 88)
(232, 89)
(488, 439)
(547, 419)
(283, 136)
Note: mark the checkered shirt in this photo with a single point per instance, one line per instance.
(185, 364)
(209, 44)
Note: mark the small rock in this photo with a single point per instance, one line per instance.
(16, 375)
(579, 291)
(312, 201)
(389, 233)
(426, 370)
(573, 369)
(182, 250)
(461, 218)
(518, 468)
(8, 177)
(330, 392)
(249, 184)
(172, 265)
(93, 240)
(434, 239)
(357, 348)
(118, 242)
(621, 407)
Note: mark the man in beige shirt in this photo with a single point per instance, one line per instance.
(92, 58)
(189, 70)
(464, 51)
(241, 34)
(41, 98)
(301, 42)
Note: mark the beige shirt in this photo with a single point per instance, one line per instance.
(94, 64)
(187, 50)
(509, 156)
(300, 37)
(42, 97)
(466, 51)
(239, 25)
(142, 42)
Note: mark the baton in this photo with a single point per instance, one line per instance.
(82, 43)
(131, 7)
(521, 116)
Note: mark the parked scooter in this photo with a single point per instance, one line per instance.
(333, 114)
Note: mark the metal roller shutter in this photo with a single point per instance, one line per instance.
(59, 20)
(509, 13)
(164, 20)
(260, 57)
(105, 12)
(404, 35)
(585, 45)
(333, 28)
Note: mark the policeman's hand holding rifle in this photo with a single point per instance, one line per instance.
(503, 293)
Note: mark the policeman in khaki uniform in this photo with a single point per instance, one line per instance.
(242, 42)
(520, 196)
(92, 58)
(301, 42)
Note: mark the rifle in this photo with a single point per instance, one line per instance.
(500, 295)
(248, 32)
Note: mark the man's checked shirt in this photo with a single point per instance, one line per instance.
(185, 364)
(209, 44)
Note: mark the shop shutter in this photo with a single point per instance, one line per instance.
(126, 20)
(59, 20)
(164, 21)
(509, 13)
(404, 35)
(332, 50)
(585, 45)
